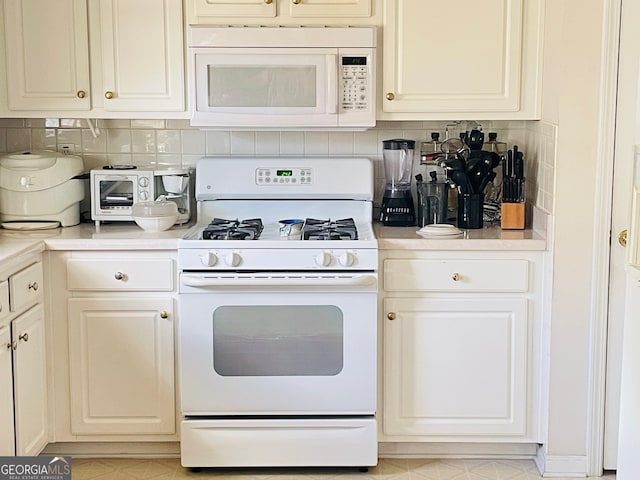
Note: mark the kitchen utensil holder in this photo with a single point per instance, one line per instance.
(512, 216)
(470, 210)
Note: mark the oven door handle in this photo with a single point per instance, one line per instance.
(203, 281)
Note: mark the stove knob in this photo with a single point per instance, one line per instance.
(323, 259)
(346, 259)
(209, 259)
(232, 259)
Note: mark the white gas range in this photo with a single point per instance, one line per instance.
(278, 332)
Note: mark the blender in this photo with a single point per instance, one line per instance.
(397, 202)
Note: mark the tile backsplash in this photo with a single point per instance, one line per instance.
(174, 143)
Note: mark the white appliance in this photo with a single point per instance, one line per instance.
(115, 189)
(282, 77)
(40, 189)
(278, 333)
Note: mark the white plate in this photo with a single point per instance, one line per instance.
(30, 225)
(439, 230)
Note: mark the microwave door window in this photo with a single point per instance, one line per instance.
(262, 86)
(116, 193)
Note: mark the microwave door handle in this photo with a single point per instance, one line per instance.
(332, 83)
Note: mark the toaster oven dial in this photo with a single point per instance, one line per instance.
(143, 182)
(209, 259)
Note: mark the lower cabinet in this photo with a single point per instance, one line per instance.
(461, 346)
(23, 360)
(30, 381)
(113, 350)
(7, 434)
(121, 365)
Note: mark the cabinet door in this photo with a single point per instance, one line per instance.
(330, 8)
(142, 58)
(7, 445)
(121, 365)
(453, 56)
(30, 381)
(455, 367)
(47, 54)
(233, 8)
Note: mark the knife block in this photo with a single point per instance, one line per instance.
(512, 216)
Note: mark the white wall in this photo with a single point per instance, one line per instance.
(571, 101)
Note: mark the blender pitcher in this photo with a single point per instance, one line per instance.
(397, 202)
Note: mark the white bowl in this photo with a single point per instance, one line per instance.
(156, 224)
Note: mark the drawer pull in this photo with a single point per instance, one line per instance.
(164, 314)
(24, 337)
(120, 276)
(391, 315)
(33, 286)
(456, 277)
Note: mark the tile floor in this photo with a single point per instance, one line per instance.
(388, 469)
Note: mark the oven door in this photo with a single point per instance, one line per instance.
(278, 344)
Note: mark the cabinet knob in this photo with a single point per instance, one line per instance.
(12, 345)
(296, 2)
(390, 96)
(391, 315)
(268, 2)
(33, 286)
(456, 277)
(120, 276)
(24, 337)
(81, 94)
(108, 95)
(164, 314)
(622, 237)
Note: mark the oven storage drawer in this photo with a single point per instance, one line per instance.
(292, 442)
(120, 274)
(456, 275)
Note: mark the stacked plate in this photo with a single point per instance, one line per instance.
(439, 230)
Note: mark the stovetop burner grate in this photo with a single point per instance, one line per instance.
(344, 229)
(223, 229)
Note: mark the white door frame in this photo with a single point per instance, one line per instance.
(602, 237)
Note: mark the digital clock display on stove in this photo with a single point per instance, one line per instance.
(284, 173)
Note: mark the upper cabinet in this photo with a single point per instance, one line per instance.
(277, 11)
(47, 52)
(98, 56)
(453, 59)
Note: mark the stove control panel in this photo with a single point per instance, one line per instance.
(277, 259)
(295, 176)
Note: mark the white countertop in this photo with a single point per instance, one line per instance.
(490, 237)
(112, 236)
(124, 236)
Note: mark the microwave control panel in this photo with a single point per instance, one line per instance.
(356, 87)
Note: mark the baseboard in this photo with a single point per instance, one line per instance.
(553, 466)
(114, 449)
(506, 451)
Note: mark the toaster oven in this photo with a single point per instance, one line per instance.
(114, 191)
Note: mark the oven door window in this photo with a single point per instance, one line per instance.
(116, 193)
(278, 340)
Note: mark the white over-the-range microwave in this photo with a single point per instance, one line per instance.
(282, 77)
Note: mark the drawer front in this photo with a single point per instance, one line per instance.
(456, 275)
(25, 287)
(4, 301)
(120, 274)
